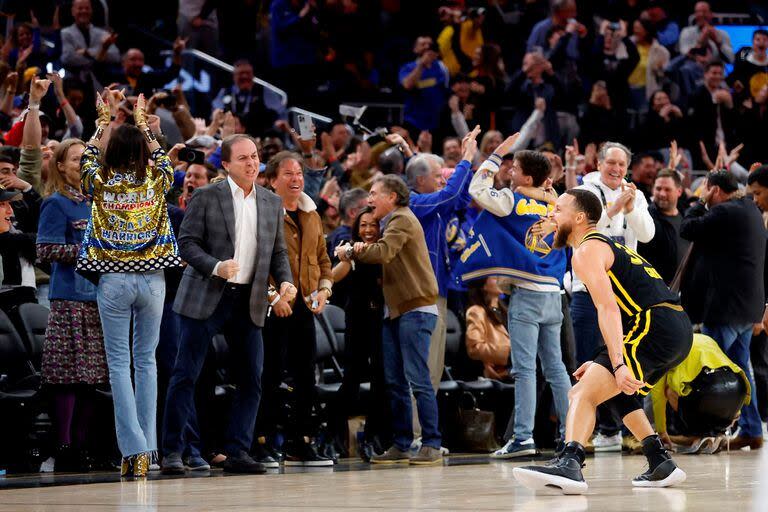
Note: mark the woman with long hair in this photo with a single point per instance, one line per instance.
(74, 361)
(362, 345)
(646, 77)
(128, 243)
(487, 339)
(488, 80)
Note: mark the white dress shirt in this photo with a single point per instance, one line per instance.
(245, 232)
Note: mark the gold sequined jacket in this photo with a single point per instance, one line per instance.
(129, 229)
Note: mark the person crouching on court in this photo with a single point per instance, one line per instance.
(706, 392)
(410, 296)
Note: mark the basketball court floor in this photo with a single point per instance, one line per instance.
(724, 482)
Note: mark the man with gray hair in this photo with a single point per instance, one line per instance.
(434, 201)
(626, 219)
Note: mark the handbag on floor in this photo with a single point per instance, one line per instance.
(477, 429)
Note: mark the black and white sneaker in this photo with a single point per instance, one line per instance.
(261, 453)
(305, 454)
(563, 473)
(665, 474)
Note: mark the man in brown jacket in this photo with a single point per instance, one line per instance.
(290, 329)
(410, 294)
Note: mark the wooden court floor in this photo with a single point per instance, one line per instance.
(723, 482)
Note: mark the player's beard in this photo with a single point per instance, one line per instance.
(561, 236)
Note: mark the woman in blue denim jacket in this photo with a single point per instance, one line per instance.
(73, 352)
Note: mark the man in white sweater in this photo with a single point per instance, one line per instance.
(626, 219)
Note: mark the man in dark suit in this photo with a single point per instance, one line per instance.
(232, 240)
(723, 286)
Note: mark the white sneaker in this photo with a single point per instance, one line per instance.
(607, 443)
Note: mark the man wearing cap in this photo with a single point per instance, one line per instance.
(723, 286)
(17, 254)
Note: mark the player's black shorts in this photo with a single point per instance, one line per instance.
(657, 340)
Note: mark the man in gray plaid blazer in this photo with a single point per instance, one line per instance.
(232, 240)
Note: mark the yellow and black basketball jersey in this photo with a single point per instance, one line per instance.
(636, 284)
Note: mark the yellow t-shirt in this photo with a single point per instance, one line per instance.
(637, 78)
(705, 353)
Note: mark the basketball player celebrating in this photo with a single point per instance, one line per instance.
(630, 298)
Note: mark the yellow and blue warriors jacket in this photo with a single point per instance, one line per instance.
(129, 229)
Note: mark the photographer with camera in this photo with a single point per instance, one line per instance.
(425, 81)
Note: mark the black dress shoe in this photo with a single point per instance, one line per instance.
(243, 463)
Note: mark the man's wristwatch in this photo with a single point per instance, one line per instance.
(328, 290)
(350, 253)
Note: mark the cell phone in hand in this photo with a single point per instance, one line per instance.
(192, 156)
(305, 127)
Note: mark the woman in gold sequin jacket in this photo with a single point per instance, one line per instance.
(127, 244)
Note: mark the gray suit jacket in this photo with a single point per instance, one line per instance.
(207, 236)
(72, 39)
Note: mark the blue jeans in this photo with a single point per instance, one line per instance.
(534, 328)
(735, 340)
(119, 295)
(405, 347)
(232, 318)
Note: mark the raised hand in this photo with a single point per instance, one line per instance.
(37, 89)
(469, 144)
(733, 155)
(705, 156)
(506, 146)
(571, 153)
(674, 155)
(23, 56)
(140, 111)
(102, 110)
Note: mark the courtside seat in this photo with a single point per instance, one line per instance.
(34, 317)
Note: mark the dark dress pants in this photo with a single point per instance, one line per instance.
(233, 319)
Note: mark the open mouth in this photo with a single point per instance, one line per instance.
(295, 188)
(615, 175)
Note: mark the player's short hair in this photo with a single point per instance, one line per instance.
(587, 202)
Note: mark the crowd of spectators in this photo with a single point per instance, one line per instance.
(378, 223)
